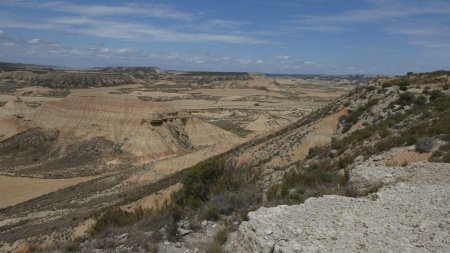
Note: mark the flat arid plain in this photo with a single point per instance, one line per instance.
(74, 142)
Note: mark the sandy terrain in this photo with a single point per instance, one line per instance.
(319, 134)
(18, 189)
(111, 92)
(404, 156)
(34, 90)
(153, 201)
(292, 146)
(271, 105)
(14, 116)
(168, 166)
(7, 98)
(266, 123)
(159, 95)
(83, 228)
(236, 92)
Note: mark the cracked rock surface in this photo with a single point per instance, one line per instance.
(411, 214)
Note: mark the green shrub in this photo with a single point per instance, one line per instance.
(345, 161)
(446, 158)
(402, 82)
(384, 131)
(222, 235)
(353, 116)
(117, 218)
(387, 144)
(199, 182)
(406, 98)
(213, 177)
(172, 230)
(420, 101)
(436, 94)
(72, 247)
(424, 144)
(441, 104)
(211, 213)
(313, 151)
(215, 247)
(273, 191)
(297, 182)
(445, 147)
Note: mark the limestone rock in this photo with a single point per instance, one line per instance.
(395, 220)
(366, 179)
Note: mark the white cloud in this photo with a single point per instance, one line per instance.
(35, 41)
(375, 14)
(283, 57)
(9, 44)
(124, 50)
(93, 10)
(227, 23)
(431, 44)
(385, 12)
(123, 30)
(244, 61)
(2, 33)
(420, 30)
(127, 30)
(197, 60)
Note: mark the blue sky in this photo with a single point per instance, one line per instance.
(291, 36)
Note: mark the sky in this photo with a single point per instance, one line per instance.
(269, 36)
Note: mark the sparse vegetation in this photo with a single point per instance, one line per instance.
(218, 184)
(307, 179)
(299, 184)
(219, 239)
(210, 189)
(442, 154)
(117, 218)
(401, 82)
(353, 116)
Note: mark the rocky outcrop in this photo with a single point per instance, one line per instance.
(412, 215)
(68, 79)
(367, 179)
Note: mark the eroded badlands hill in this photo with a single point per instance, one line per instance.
(139, 130)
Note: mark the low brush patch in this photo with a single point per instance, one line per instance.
(211, 189)
(315, 180)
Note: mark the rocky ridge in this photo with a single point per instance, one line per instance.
(410, 213)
